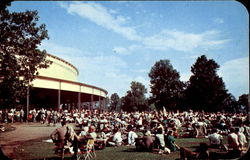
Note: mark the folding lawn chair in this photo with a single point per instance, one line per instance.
(89, 150)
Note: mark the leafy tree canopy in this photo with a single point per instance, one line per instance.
(244, 101)
(115, 101)
(19, 54)
(166, 87)
(135, 99)
(206, 90)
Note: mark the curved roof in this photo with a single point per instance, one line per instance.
(60, 59)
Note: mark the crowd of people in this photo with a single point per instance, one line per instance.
(153, 131)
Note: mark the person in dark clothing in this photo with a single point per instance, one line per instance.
(200, 153)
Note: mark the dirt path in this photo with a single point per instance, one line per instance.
(23, 133)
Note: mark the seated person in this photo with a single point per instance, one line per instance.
(233, 143)
(170, 142)
(117, 138)
(92, 134)
(131, 137)
(241, 138)
(200, 153)
(85, 131)
(159, 139)
(215, 139)
(147, 142)
(175, 133)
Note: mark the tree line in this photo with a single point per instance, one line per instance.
(204, 91)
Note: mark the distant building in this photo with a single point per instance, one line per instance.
(57, 87)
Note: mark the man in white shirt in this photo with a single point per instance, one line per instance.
(233, 141)
(215, 139)
(131, 137)
(241, 138)
(117, 139)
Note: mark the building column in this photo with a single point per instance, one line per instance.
(27, 103)
(59, 97)
(104, 104)
(100, 106)
(92, 103)
(79, 98)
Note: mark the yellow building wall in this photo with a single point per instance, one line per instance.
(70, 87)
(59, 69)
(87, 90)
(42, 83)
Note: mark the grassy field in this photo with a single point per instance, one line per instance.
(37, 149)
(40, 150)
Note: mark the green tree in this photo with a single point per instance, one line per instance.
(19, 54)
(244, 102)
(107, 103)
(135, 99)
(166, 87)
(230, 104)
(206, 90)
(115, 102)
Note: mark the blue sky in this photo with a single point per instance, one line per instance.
(114, 43)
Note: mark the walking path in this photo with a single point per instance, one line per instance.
(23, 133)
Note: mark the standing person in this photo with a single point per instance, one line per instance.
(21, 115)
(54, 117)
(58, 135)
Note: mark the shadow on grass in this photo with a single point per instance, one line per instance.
(40, 126)
(55, 158)
(130, 150)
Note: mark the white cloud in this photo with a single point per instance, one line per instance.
(166, 39)
(113, 11)
(126, 51)
(102, 17)
(181, 41)
(235, 74)
(218, 21)
(57, 49)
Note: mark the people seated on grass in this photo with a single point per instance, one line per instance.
(215, 139)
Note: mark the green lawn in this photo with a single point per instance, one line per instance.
(40, 150)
